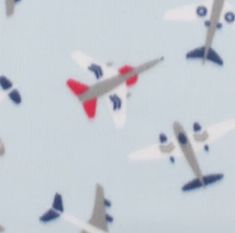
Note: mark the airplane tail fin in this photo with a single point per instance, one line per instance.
(211, 56)
(55, 211)
(78, 89)
(208, 180)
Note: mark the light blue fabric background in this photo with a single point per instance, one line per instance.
(52, 147)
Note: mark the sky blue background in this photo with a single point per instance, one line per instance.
(52, 147)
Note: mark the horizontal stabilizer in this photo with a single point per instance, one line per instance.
(90, 108)
(196, 183)
(211, 56)
(49, 215)
(76, 87)
(54, 212)
(58, 203)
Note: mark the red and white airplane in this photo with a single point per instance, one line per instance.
(111, 83)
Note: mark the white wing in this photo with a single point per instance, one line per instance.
(98, 69)
(116, 99)
(82, 225)
(187, 13)
(155, 153)
(117, 105)
(215, 132)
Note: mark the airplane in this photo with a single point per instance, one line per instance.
(111, 83)
(98, 222)
(215, 14)
(187, 145)
(10, 6)
(8, 90)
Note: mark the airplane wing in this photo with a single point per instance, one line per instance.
(189, 13)
(155, 152)
(215, 132)
(117, 105)
(116, 99)
(100, 71)
(98, 218)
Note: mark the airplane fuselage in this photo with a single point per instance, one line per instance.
(217, 9)
(187, 149)
(105, 86)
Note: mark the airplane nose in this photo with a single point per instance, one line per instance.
(208, 23)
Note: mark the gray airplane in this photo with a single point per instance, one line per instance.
(88, 94)
(98, 222)
(10, 6)
(219, 11)
(187, 145)
(188, 152)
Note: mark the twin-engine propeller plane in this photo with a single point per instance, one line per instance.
(111, 83)
(98, 222)
(10, 6)
(214, 13)
(187, 145)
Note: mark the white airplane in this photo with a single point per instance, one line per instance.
(8, 90)
(214, 14)
(187, 144)
(10, 6)
(98, 222)
(111, 83)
